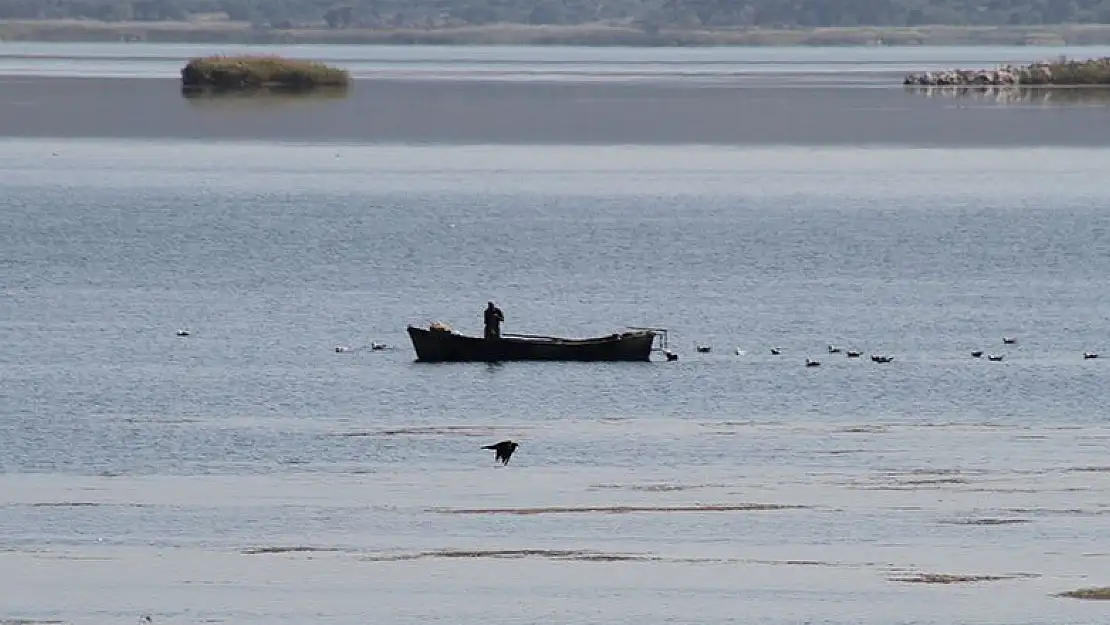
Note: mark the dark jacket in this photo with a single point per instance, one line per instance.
(494, 317)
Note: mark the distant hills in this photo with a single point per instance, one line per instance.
(648, 15)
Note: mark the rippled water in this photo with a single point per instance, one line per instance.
(248, 473)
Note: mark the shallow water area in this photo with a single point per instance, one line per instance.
(774, 517)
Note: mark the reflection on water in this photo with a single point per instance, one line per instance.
(268, 97)
(1056, 96)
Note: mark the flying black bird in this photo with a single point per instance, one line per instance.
(504, 451)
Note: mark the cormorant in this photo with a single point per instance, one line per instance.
(504, 451)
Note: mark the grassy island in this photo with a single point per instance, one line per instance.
(1066, 72)
(241, 73)
(1061, 72)
(1088, 593)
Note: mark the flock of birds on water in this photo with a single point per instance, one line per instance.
(503, 450)
(339, 349)
(705, 349)
(833, 349)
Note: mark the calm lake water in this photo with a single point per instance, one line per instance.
(554, 96)
(249, 473)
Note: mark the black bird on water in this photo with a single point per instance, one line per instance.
(504, 451)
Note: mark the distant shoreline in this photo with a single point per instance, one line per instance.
(228, 32)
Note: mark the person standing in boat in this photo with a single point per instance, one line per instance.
(494, 317)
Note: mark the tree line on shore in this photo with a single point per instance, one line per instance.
(649, 14)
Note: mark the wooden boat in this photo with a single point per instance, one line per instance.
(440, 344)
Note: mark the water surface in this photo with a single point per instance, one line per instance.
(249, 473)
(730, 65)
(553, 96)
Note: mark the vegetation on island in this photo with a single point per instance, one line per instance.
(593, 22)
(1065, 72)
(242, 73)
(1062, 72)
(1088, 593)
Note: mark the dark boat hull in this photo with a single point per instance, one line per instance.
(442, 346)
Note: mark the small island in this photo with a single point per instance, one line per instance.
(1059, 73)
(1101, 594)
(268, 73)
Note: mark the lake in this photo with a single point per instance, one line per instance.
(250, 473)
(559, 96)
